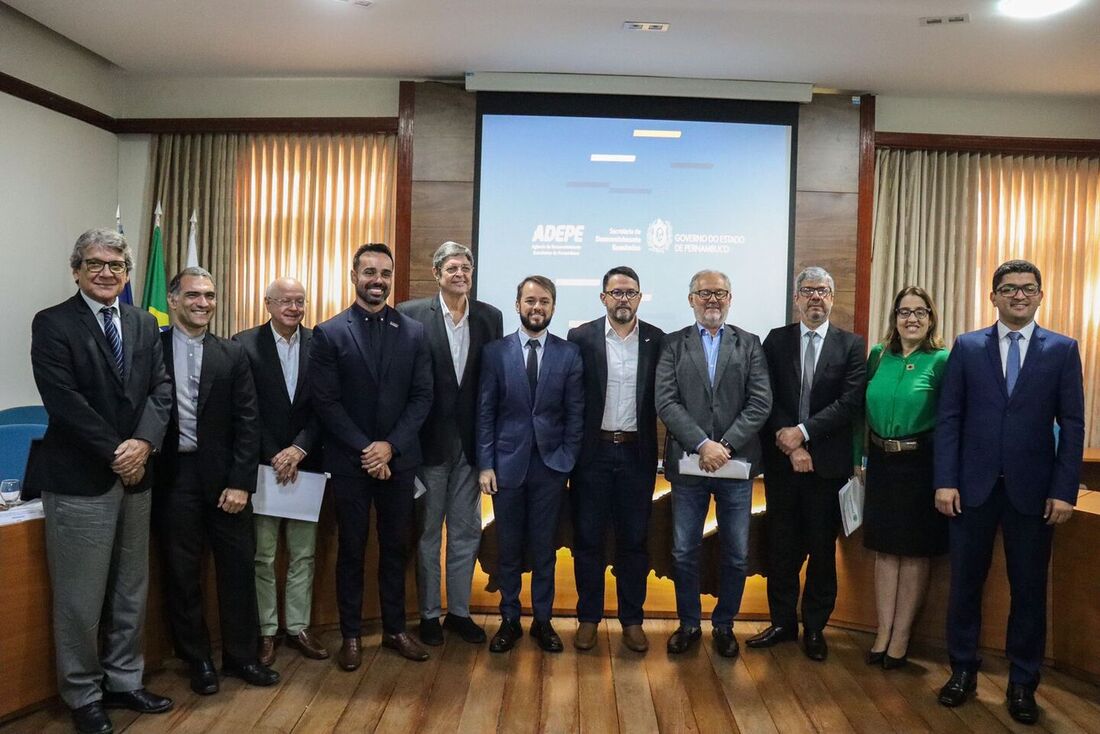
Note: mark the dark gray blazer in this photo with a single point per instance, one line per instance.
(734, 409)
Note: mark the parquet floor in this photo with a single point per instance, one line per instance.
(465, 688)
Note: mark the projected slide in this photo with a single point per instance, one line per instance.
(571, 197)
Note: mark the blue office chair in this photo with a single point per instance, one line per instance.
(32, 414)
(15, 446)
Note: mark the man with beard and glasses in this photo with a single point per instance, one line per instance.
(712, 393)
(371, 374)
(529, 428)
(613, 483)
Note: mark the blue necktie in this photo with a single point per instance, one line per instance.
(1012, 366)
(113, 337)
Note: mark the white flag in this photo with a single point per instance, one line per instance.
(192, 243)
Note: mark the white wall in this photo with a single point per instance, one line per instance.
(1038, 117)
(60, 177)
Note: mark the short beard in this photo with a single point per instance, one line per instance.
(531, 327)
(615, 315)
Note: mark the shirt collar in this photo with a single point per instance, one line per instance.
(821, 331)
(447, 311)
(183, 337)
(1027, 331)
(365, 314)
(96, 305)
(279, 337)
(523, 338)
(705, 332)
(610, 332)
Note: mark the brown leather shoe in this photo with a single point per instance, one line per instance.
(634, 638)
(586, 636)
(405, 645)
(267, 650)
(305, 643)
(351, 654)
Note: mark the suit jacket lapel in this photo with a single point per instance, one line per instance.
(830, 353)
(92, 324)
(438, 340)
(391, 329)
(794, 343)
(269, 353)
(1034, 354)
(211, 354)
(601, 362)
(993, 351)
(646, 352)
(356, 327)
(479, 337)
(304, 335)
(129, 321)
(725, 352)
(518, 370)
(698, 357)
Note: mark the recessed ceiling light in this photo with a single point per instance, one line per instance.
(1031, 9)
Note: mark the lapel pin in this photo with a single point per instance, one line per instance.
(393, 324)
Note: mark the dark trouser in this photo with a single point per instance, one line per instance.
(528, 514)
(613, 490)
(187, 518)
(1027, 540)
(803, 520)
(394, 510)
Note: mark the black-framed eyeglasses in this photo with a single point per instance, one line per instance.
(117, 267)
(455, 269)
(1008, 290)
(706, 294)
(284, 302)
(619, 294)
(823, 291)
(920, 313)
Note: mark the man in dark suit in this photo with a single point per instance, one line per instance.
(371, 374)
(712, 393)
(998, 463)
(278, 353)
(98, 366)
(613, 481)
(457, 327)
(205, 478)
(529, 429)
(818, 378)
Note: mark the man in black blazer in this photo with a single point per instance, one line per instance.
(206, 474)
(98, 367)
(457, 327)
(278, 353)
(371, 375)
(613, 482)
(818, 378)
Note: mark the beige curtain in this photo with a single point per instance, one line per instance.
(303, 204)
(945, 220)
(197, 173)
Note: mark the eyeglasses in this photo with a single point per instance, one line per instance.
(706, 294)
(1008, 290)
(117, 267)
(455, 269)
(920, 313)
(619, 294)
(284, 302)
(822, 291)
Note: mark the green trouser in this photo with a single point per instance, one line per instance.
(301, 539)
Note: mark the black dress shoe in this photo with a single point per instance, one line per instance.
(505, 637)
(466, 628)
(814, 645)
(253, 673)
(1021, 704)
(773, 635)
(141, 700)
(682, 639)
(92, 719)
(960, 685)
(892, 663)
(875, 658)
(204, 678)
(430, 632)
(547, 638)
(725, 643)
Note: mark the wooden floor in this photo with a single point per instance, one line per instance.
(465, 688)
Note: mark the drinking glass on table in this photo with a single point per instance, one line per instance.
(10, 490)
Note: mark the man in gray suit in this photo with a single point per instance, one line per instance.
(713, 394)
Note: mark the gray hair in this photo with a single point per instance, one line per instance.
(174, 284)
(695, 279)
(101, 237)
(814, 273)
(281, 283)
(448, 250)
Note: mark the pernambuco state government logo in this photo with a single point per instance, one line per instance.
(658, 236)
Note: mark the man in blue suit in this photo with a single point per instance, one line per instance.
(529, 428)
(998, 464)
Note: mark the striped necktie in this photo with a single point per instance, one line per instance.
(113, 337)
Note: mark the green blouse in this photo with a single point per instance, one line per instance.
(902, 392)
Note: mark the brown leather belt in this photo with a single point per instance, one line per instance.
(895, 445)
(619, 436)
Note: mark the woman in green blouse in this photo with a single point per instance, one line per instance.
(900, 522)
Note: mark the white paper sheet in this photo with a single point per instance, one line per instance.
(851, 505)
(735, 468)
(25, 512)
(298, 500)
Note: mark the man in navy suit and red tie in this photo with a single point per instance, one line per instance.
(998, 463)
(529, 428)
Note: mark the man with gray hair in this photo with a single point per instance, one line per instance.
(98, 367)
(457, 328)
(818, 377)
(712, 393)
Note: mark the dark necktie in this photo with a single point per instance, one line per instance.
(1012, 364)
(533, 365)
(113, 337)
(807, 378)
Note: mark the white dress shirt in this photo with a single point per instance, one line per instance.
(541, 339)
(803, 343)
(1003, 340)
(458, 336)
(620, 412)
(289, 351)
(95, 306)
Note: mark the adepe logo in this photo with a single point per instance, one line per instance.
(658, 236)
(558, 233)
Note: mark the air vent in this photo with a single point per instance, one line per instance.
(645, 26)
(956, 19)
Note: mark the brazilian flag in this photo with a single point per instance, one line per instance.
(154, 297)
